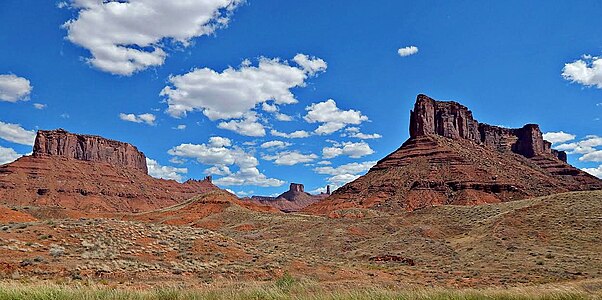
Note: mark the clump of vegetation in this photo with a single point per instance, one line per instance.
(56, 251)
(285, 282)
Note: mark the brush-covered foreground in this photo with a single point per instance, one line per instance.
(287, 287)
(553, 240)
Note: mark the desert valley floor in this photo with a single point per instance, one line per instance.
(551, 239)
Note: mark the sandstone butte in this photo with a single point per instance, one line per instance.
(295, 199)
(451, 158)
(89, 173)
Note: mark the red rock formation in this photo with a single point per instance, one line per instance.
(453, 120)
(295, 199)
(89, 148)
(451, 158)
(89, 174)
(192, 211)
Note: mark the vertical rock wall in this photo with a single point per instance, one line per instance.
(453, 120)
(89, 148)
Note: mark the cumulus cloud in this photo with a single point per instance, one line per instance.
(16, 134)
(331, 117)
(345, 173)
(143, 118)
(587, 148)
(594, 171)
(166, 172)
(558, 137)
(234, 92)
(586, 71)
(248, 125)
(584, 146)
(353, 150)
(275, 144)
(14, 88)
(125, 37)
(407, 51)
(595, 156)
(180, 127)
(293, 135)
(8, 155)
(283, 117)
(311, 65)
(355, 132)
(290, 158)
(220, 154)
(39, 106)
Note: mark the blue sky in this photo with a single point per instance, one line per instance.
(233, 76)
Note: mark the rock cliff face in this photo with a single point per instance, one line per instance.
(451, 158)
(88, 148)
(296, 187)
(294, 199)
(453, 120)
(85, 173)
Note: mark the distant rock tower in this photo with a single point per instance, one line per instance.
(328, 189)
(296, 187)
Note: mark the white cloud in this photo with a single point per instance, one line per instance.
(354, 150)
(234, 92)
(218, 141)
(324, 162)
(218, 170)
(586, 71)
(407, 51)
(14, 88)
(355, 132)
(311, 65)
(248, 125)
(275, 144)
(584, 146)
(125, 37)
(290, 158)
(180, 127)
(595, 156)
(283, 117)
(331, 117)
(166, 172)
(143, 118)
(293, 135)
(220, 154)
(16, 134)
(345, 173)
(594, 171)
(558, 137)
(39, 106)
(8, 155)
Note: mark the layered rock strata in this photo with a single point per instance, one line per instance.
(89, 173)
(451, 158)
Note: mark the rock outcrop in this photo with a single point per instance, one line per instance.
(88, 173)
(451, 158)
(295, 199)
(88, 148)
(453, 120)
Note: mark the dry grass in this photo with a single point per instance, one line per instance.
(288, 288)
